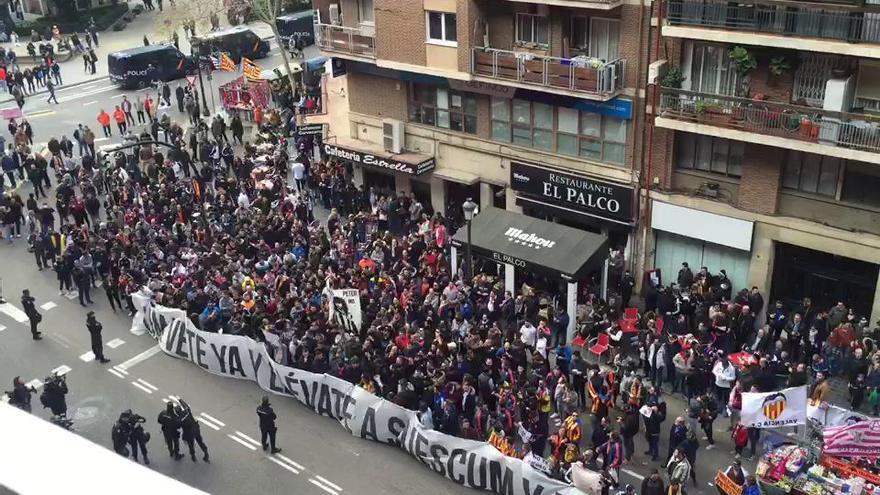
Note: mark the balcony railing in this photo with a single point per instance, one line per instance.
(846, 130)
(580, 74)
(344, 40)
(784, 18)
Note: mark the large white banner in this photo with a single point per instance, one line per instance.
(364, 415)
(345, 310)
(786, 407)
(826, 414)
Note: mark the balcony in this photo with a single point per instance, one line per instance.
(345, 41)
(578, 4)
(581, 75)
(844, 135)
(843, 29)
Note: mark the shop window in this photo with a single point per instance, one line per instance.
(860, 185)
(441, 28)
(442, 107)
(575, 133)
(811, 173)
(532, 28)
(708, 154)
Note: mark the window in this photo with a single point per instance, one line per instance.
(604, 38)
(810, 173)
(860, 184)
(531, 28)
(580, 32)
(559, 129)
(365, 11)
(708, 154)
(712, 70)
(441, 28)
(442, 107)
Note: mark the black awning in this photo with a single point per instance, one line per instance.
(532, 244)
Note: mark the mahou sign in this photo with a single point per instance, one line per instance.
(587, 195)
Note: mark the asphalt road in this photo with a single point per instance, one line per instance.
(318, 457)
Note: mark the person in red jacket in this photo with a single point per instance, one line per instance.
(104, 120)
(119, 117)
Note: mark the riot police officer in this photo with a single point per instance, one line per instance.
(192, 433)
(171, 431)
(53, 395)
(267, 424)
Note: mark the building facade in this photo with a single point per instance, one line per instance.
(764, 147)
(533, 107)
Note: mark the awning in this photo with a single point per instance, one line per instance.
(460, 176)
(371, 155)
(532, 244)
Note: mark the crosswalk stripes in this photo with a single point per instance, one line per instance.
(88, 357)
(35, 383)
(46, 306)
(14, 312)
(61, 370)
(113, 344)
(2, 327)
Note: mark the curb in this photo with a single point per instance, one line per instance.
(45, 92)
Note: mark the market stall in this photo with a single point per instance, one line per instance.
(788, 469)
(243, 96)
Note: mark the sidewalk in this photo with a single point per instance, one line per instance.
(72, 71)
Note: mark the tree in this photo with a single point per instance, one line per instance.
(267, 11)
(172, 18)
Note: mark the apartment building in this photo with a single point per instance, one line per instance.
(528, 106)
(763, 147)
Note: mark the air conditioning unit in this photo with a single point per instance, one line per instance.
(656, 71)
(393, 135)
(335, 14)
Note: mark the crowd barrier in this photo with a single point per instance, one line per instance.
(466, 462)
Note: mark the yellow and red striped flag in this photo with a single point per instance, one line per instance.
(226, 63)
(250, 69)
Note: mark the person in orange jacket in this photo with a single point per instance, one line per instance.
(104, 120)
(119, 117)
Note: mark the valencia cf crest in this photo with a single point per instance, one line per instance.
(774, 406)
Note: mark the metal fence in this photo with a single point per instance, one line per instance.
(846, 130)
(790, 20)
(344, 40)
(575, 74)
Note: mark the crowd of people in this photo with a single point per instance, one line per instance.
(220, 231)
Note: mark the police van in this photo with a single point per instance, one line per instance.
(139, 67)
(237, 42)
(298, 23)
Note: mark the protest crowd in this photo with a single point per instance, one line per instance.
(218, 231)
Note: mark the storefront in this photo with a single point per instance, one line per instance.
(386, 173)
(522, 244)
(824, 277)
(701, 239)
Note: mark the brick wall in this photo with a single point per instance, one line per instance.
(467, 13)
(774, 88)
(760, 182)
(628, 47)
(377, 96)
(400, 30)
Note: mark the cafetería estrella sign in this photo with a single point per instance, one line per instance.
(583, 194)
(364, 158)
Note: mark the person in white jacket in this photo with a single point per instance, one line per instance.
(725, 377)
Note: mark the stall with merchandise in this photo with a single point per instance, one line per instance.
(789, 469)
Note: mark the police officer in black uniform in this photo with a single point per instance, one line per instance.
(171, 431)
(192, 433)
(267, 424)
(53, 395)
(28, 303)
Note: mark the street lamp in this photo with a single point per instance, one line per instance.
(196, 53)
(469, 208)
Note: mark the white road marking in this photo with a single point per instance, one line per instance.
(633, 474)
(212, 418)
(242, 442)
(120, 370)
(113, 344)
(98, 140)
(208, 423)
(87, 357)
(165, 400)
(2, 327)
(152, 351)
(61, 340)
(89, 103)
(329, 483)
(285, 466)
(290, 461)
(48, 305)
(249, 439)
(41, 114)
(147, 384)
(118, 374)
(36, 383)
(145, 389)
(323, 487)
(13, 311)
(72, 295)
(174, 397)
(61, 370)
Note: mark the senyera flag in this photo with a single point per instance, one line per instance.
(786, 407)
(861, 439)
(251, 70)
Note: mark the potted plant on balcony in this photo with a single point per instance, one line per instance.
(778, 66)
(672, 79)
(744, 62)
(709, 111)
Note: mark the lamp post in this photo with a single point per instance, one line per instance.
(196, 52)
(469, 208)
